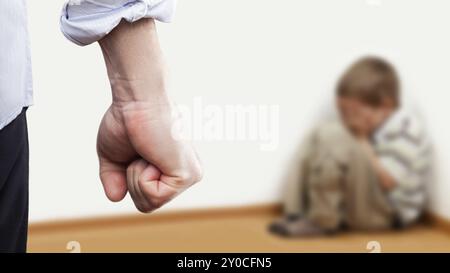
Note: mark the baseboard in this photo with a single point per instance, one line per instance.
(136, 219)
(437, 221)
(189, 214)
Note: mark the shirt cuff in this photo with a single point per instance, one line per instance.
(87, 21)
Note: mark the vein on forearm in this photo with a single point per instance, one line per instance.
(134, 61)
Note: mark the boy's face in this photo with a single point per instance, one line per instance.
(362, 119)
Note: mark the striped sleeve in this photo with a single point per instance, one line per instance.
(87, 21)
(404, 151)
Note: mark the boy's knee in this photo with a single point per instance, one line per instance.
(334, 141)
(333, 133)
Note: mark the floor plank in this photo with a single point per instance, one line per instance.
(241, 233)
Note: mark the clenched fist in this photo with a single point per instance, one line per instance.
(137, 150)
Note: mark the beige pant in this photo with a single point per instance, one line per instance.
(332, 182)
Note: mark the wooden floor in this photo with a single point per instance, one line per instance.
(239, 231)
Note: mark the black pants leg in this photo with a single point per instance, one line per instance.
(14, 158)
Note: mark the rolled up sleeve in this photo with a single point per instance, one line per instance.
(87, 21)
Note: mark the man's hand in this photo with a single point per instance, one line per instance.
(136, 148)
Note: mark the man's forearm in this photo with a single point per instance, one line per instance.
(136, 147)
(134, 62)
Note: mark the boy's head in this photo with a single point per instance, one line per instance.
(367, 94)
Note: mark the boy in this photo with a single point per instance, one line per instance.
(366, 171)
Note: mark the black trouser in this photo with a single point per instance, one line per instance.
(14, 185)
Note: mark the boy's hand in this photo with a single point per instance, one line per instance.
(356, 117)
(387, 182)
(360, 118)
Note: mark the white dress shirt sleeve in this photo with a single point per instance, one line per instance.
(87, 21)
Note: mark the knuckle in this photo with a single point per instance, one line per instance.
(191, 176)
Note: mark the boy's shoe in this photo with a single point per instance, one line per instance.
(278, 225)
(301, 228)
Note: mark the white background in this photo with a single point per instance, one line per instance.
(284, 52)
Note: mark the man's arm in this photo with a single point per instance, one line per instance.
(136, 147)
(134, 62)
(138, 125)
(86, 22)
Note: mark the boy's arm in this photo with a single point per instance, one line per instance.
(387, 182)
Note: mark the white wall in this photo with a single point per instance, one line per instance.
(284, 52)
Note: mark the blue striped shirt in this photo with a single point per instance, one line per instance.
(82, 21)
(15, 62)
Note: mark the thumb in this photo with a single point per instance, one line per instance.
(113, 177)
